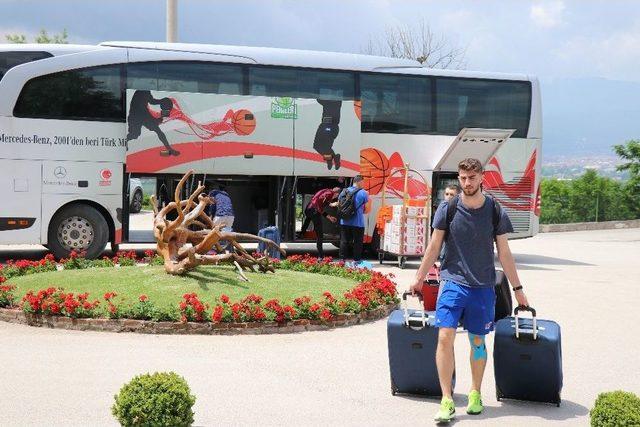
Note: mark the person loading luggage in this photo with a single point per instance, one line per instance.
(314, 212)
(221, 208)
(468, 279)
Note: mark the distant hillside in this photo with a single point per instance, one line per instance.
(588, 116)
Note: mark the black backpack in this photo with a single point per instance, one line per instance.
(452, 208)
(347, 203)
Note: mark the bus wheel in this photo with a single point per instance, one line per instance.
(79, 228)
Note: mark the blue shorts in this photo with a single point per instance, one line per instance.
(476, 307)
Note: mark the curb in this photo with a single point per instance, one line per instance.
(585, 226)
(191, 328)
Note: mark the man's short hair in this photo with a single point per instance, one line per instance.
(470, 165)
(453, 187)
(357, 178)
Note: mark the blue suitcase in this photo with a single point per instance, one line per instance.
(412, 341)
(272, 233)
(527, 359)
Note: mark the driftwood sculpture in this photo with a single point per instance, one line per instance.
(193, 226)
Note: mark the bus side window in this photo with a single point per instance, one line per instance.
(185, 76)
(83, 94)
(482, 103)
(9, 60)
(395, 103)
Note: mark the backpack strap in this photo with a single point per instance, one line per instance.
(497, 214)
(354, 200)
(452, 206)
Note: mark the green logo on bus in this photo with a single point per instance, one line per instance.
(284, 108)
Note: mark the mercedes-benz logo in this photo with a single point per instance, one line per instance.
(60, 172)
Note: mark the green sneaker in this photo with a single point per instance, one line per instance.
(475, 403)
(447, 411)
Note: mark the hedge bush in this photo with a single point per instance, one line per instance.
(616, 409)
(159, 399)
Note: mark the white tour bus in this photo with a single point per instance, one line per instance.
(273, 126)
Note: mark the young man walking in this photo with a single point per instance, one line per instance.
(468, 279)
(315, 210)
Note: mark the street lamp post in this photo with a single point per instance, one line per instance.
(172, 17)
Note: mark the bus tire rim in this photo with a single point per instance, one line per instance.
(75, 233)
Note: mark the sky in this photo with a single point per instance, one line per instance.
(585, 53)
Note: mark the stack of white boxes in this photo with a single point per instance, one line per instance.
(406, 234)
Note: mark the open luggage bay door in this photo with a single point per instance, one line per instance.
(478, 143)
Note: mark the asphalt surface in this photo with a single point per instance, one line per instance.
(586, 281)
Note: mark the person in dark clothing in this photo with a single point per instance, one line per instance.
(328, 131)
(140, 116)
(316, 210)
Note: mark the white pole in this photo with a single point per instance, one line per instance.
(172, 17)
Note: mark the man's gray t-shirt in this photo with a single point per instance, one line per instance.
(469, 256)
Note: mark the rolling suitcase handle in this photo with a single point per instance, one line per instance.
(423, 318)
(533, 317)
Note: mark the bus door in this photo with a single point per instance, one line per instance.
(440, 182)
(21, 189)
(305, 190)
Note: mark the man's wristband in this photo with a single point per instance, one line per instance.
(517, 288)
(324, 214)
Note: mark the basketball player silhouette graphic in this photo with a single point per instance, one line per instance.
(139, 116)
(328, 131)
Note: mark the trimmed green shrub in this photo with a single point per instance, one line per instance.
(159, 399)
(616, 409)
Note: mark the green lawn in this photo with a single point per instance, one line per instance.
(163, 289)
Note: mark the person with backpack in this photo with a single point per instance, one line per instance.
(352, 205)
(315, 210)
(469, 224)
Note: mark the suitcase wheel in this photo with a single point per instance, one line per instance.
(394, 389)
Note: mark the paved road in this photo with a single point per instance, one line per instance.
(587, 281)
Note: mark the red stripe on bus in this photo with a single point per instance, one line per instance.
(150, 160)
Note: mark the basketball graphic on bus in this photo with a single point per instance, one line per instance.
(374, 168)
(244, 122)
(241, 122)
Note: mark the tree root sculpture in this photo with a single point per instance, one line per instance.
(193, 226)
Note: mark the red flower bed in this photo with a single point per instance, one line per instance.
(55, 301)
(373, 290)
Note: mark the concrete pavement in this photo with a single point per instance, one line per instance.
(587, 281)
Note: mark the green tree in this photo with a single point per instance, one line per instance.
(631, 191)
(555, 194)
(42, 37)
(597, 198)
(586, 199)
